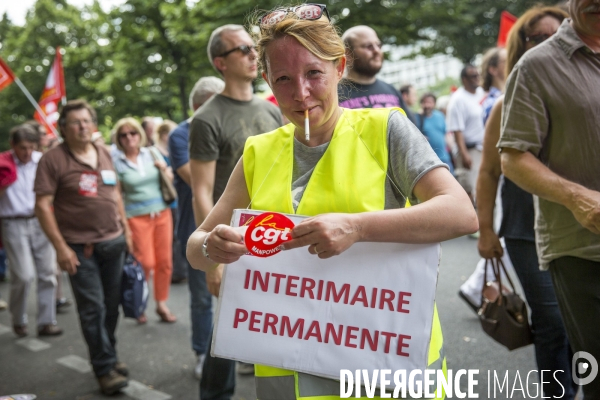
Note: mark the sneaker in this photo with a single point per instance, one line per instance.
(49, 330)
(3, 305)
(112, 382)
(471, 305)
(245, 368)
(20, 330)
(199, 365)
(121, 368)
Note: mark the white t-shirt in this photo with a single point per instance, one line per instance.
(19, 199)
(465, 114)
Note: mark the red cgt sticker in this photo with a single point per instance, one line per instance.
(266, 233)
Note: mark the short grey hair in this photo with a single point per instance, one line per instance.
(24, 133)
(216, 46)
(204, 88)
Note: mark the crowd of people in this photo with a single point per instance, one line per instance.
(79, 205)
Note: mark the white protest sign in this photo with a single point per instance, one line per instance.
(369, 308)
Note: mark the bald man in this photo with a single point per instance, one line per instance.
(360, 87)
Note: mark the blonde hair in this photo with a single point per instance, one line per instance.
(132, 122)
(163, 129)
(516, 41)
(320, 37)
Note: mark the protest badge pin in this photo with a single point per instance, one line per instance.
(266, 233)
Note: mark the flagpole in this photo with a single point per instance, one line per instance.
(35, 104)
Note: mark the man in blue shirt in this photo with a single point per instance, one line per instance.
(200, 297)
(432, 124)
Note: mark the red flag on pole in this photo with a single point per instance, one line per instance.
(6, 75)
(54, 91)
(507, 20)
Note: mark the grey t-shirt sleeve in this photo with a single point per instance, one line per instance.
(524, 117)
(410, 156)
(204, 143)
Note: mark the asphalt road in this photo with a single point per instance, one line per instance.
(161, 360)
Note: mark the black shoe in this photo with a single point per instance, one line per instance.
(20, 330)
(112, 382)
(62, 303)
(178, 279)
(469, 302)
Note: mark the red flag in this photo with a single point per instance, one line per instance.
(6, 75)
(507, 20)
(53, 93)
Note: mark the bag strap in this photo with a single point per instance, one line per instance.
(154, 155)
(501, 267)
(497, 268)
(485, 281)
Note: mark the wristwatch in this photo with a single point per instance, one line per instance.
(204, 248)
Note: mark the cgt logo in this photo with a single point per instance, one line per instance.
(584, 367)
(266, 233)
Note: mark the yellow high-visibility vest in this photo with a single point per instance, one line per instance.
(349, 178)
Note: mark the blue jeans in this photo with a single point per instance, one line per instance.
(552, 350)
(200, 307)
(218, 377)
(180, 264)
(97, 290)
(2, 262)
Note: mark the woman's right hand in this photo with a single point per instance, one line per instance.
(226, 244)
(489, 245)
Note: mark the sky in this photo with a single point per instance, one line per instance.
(18, 8)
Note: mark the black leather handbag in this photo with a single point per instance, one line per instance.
(503, 314)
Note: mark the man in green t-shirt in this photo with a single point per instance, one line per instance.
(218, 132)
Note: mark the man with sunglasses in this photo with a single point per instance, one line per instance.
(81, 211)
(360, 87)
(465, 119)
(218, 132)
(549, 142)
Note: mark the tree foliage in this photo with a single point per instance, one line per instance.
(143, 57)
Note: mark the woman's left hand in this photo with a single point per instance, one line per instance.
(326, 235)
(160, 164)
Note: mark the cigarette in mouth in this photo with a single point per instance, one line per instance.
(306, 128)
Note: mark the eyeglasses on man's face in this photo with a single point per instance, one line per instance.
(244, 49)
(371, 46)
(81, 122)
(310, 12)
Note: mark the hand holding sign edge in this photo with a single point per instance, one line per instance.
(326, 235)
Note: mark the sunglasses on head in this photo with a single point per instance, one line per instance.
(310, 12)
(537, 39)
(245, 49)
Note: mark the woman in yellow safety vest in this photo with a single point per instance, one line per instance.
(353, 175)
